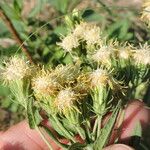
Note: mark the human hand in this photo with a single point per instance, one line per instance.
(21, 137)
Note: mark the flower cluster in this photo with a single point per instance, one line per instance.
(84, 31)
(73, 94)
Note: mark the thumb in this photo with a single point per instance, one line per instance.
(118, 147)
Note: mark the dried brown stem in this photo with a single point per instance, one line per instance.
(16, 36)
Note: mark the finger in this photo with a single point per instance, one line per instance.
(118, 147)
(135, 112)
(21, 136)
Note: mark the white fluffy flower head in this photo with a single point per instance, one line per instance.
(43, 84)
(16, 69)
(99, 77)
(102, 55)
(79, 30)
(92, 35)
(142, 57)
(88, 32)
(69, 42)
(125, 52)
(65, 99)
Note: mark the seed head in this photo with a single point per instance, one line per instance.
(16, 69)
(69, 42)
(88, 32)
(142, 57)
(99, 77)
(66, 74)
(79, 30)
(65, 100)
(92, 35)
(125, 52)
(43, 84)
(102, 55)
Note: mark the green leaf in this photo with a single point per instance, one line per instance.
(137, 130)
(3, 30)
(34, 119)
(10, 12)
(106, 131)
(52, 136)
(33, 115)
(91, 15)
(124, 29)
(18, 5)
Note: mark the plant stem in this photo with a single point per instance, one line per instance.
(94, 129)
(80, 132)
(98, 125)
(105, 7)
(13, 31)
(54, 138)
(87, 130)
(43, 138)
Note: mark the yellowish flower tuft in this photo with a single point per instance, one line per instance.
(80, 29)
(69, 42)
(44, 84)
(142, 57)
(125, 52)
(66, 74)
(65, 100)
(88, 32)
(99, 77)
(102, 55)
(146, 12)
(16, 69)
(92, 35)
(82, 85)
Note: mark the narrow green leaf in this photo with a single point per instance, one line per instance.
(31, 119)
(137, 130)
(54, 138)
(106, 131)
(33, 123)
(18, 5)
(34, 117)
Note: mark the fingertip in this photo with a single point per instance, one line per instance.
(118, 147)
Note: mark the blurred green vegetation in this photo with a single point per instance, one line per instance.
(41, 22)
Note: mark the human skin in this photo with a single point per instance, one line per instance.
(21, 137)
